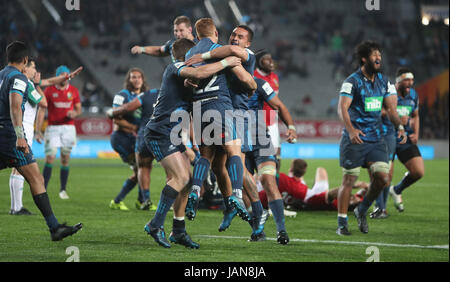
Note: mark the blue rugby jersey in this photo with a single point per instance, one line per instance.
(172, 97)
(367, 101)
(239, 95)
(406, 106)
(215, 86)
(124, 96)
(11, 81)
(148, 101)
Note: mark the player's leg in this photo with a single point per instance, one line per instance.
(64, 171)
(178, 177)
(267, 172)
(16, 181)
(32, 175)
(144, 169)
(380, 210)
(179, 234)
(343, 195)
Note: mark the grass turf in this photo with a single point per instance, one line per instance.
(115, 236)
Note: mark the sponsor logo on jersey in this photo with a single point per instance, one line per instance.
(373, 104)
(404, 110)
(63, 105)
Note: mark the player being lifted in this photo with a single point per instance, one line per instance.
(182, 28)
(213, 95)
(14, 149)
(238, 44)
(123, 139)
(361, 99)
(175, 98)
(35, 107)
(408, 153)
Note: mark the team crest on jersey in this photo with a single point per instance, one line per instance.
(69, 95)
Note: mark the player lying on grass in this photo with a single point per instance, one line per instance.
(298, 195)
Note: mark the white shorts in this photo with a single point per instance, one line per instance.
(59, 136)
(274, 135)
(319, 187)
(29, 133)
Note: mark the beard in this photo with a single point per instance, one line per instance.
(370, 67)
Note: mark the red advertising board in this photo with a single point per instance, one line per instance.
(316, 129)
(93, 127)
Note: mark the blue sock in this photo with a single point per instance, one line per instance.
(200, 172)
(178, 226)
(236, 172)
(342, 221)
(277, 208)
(385, 196)
(364, 206)
(168, 196)
(63, 176)
(405, 183)
(127, 186)
(146, 195)
(43, 204)
(381, 204)
(257, 209)
(47, 173)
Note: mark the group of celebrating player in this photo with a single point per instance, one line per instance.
(211, 94)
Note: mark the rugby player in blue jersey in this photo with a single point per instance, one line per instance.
(239, 42)
(262, 159)
(14, 149)
(123, 139)
(213, 96)
(144, 103)
(182, 28)
(408, 153)
(174, 98)
(361, 98)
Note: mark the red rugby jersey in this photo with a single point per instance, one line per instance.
(273, 80)
(60, 101)
(292, 186)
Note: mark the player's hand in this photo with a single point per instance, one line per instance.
(233, 61)
(109, 113)
(75, 72)
(136, 50)
(414, 138)
(195, 59)
(401, 134)
(291, 136)
(37, 78)
(71, 114)
(354, 136)
(39, 136)
(22, 145)
(189, 83)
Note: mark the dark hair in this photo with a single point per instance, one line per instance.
(299, 167)
(364, 49)
(127, 84)
(180, 47)
(249, 30)
(402, 70)
(16, 52)
(30, 60)
(259, 54)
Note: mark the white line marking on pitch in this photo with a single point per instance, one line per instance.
(445, 247)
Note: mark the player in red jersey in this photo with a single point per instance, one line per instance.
(297, 194)
(64, 106)
(265, 70)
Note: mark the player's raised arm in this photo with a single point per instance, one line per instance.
(57, 79)
(208, 70)
(155, 51)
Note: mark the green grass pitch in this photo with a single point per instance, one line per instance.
(420, 233)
